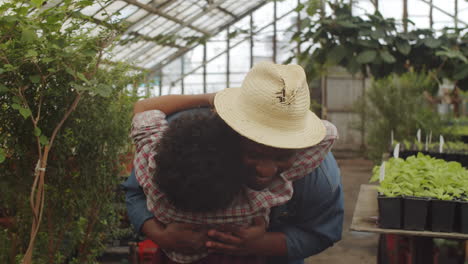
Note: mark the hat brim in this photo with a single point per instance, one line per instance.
(313, 132)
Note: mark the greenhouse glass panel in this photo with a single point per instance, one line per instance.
(214, 48)
(391, 9)
(147, 1)
(137, 15)
(285, 29)
(216, 74)
(263, 16)
(92, 9)
(442, 20)
(194, 82)
(239, 58)
(363, 7)
(127, 11)
(285, 6)
(263, 45)
(109, 10)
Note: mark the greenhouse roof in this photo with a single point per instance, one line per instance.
(156, 32)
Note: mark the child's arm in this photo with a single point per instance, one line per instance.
(310, 158)
(169, 104)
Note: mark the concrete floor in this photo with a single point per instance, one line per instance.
(355, 247)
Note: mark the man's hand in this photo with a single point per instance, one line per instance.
(186, 238)
(236, 240)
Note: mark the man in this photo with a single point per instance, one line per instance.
(271, 112)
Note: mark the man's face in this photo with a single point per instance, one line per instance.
(264, 163)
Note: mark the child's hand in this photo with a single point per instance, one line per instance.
(235, 240)
(186, 238)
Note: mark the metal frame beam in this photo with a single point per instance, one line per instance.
(194, 18)
(174, 56)
(161, 14)
(232, 46)
(226, 12)
(444, 12)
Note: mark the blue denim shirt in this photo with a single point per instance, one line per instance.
(312, 220)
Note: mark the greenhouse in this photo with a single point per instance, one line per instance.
(234, 131)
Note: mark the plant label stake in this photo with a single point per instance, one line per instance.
(430, 137)
(427, 143)
(396, 151)
(418, 135)
(441, 144)
(382, 172)
(391, 138)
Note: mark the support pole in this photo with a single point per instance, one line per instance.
(431, 15)
(160, 82)
(298, 27)
(228, 58)
(182, 73)
(405, 16)
(204, 68)
(251, 40)
(274, 31)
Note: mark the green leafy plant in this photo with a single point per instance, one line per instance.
(423, 176)
(396, 103)
(372, 44)
(64, 124)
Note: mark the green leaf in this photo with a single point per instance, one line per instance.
(432, 43)
(378, 33)
(366, 56)
(37, 131)
(35, 78)
(387, 57)
(336, 55)
(368, 43)
(2, 155)
(462, 73)
(43, 140)
(69, 70)
(31, 53)
(25, 112)
(299, 7)
(452, 53)
(16, 106)
(16, 100)
(28, 35)
(37, 3)
(47, 60)
(3, 89)
(353, 66)
(82, 77)
(103, 90)
(90, 52)
(403, 47)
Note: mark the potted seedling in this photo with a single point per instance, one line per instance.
(389, 197)
(445, 185)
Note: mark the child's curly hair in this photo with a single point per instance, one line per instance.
(199, 163)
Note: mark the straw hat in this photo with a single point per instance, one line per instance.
(272, 107)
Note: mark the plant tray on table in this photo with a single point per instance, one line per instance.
(433, 194)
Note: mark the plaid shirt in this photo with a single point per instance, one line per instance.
(148, 128)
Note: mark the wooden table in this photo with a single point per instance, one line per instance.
(365, 220)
